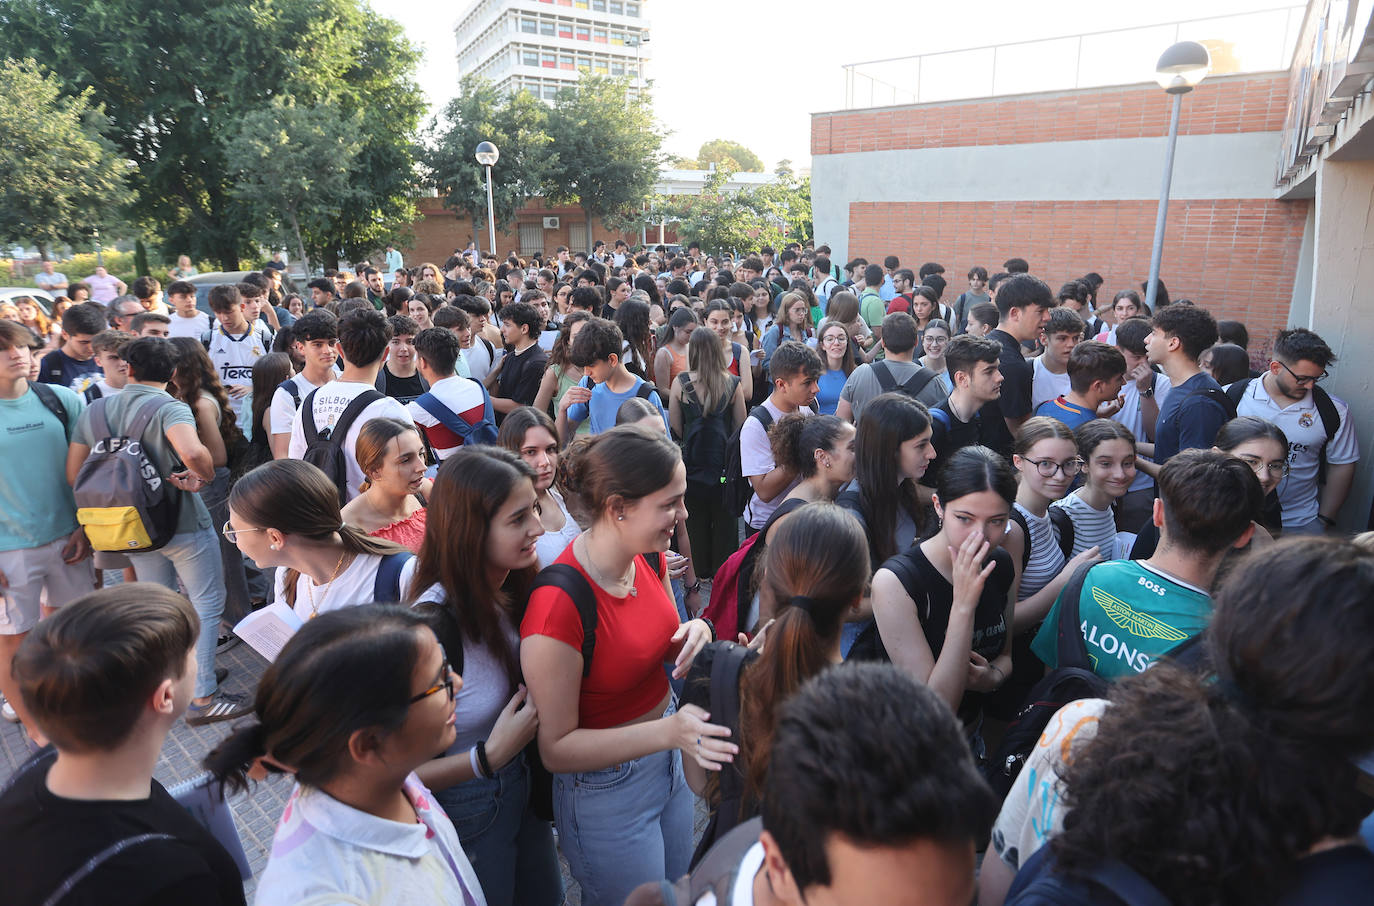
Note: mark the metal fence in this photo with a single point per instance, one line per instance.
(1258, 41)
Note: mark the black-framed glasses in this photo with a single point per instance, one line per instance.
(1304, 379)
(1047, 467)
(445, 683)
(1275, 469)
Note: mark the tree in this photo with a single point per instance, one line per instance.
(177, 79)
(518, 126)
(721, 151)
(607, 149)
(743, 220)
(59, 176)
(293, 164)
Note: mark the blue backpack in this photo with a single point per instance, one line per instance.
(484, 432)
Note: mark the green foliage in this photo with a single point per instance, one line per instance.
(516, 124)
(177, 80)
(59, 176)
(607, 148)
(723, 152)
(292, 164)
(745, 220)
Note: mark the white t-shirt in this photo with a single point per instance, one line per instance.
(350, 588)
(756, 458)
(234, 356)
(1046, 385)
(1090, 526)
(479, 359)
(463, 397)
(1301, 423)
(194, 326)
(283, 409)
(1130, 416)
(329, 403)
(550, 545)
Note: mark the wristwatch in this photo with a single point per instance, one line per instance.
(1148, 393)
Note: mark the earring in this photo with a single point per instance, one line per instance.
(620, 519)
(272, 546)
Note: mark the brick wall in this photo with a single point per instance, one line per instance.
(439, 231)
(1225, 104)
(1235, 257)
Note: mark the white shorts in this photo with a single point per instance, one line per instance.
(29, 572)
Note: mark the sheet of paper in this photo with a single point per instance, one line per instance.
(268, 630)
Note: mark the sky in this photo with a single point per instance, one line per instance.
(740, 71)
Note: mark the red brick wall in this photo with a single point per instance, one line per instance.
(1235, 257)
(439, 231)
(1225, 104)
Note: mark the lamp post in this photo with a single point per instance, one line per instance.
(487, 155)
(1178, 72)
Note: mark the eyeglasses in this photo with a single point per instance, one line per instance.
(1275, 469)
(936, 341)
(232, 534)
(1047, 467)
(833, 338)
(1303, 379)
(445, 683)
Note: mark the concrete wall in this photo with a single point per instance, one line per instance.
(1069, 181)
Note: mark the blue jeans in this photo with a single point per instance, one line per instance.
(193, 559)
(625, 825)
(510, 849)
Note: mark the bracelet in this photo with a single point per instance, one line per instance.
(1146, 393)
(693, 588)
(1326, 520)
(709, 625)
(472, 760)
(487, 772)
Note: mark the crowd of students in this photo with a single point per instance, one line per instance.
(486, 506)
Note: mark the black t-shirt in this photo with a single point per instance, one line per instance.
(521, 374)
(948, 435)
(933, 596)
(1015, 401)
(402, 389)
(45, 839)
(59, 368)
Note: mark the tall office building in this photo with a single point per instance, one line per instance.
(544, 45)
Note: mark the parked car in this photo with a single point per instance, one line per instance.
(44, 298)
(204, 282)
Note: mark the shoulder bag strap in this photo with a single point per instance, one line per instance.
(568, 579)
(1071, 649)
(144, 416)
(307, 411)
(350, 415)
(884, 375)
(725, 673)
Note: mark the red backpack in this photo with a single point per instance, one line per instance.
(732, 581)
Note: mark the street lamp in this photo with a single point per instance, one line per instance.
(1178, 72)
(487, 155)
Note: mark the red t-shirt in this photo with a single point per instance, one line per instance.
(632, 643)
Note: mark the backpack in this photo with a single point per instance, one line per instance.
(568, 579)
(325, 449)
(289, 385)
(1220, 397)
(1037, 884)
(726, 666)
(122, 501)
(1326, 409)
(48, 397)
(484, 432)
(1072, 679)
(913, 385)
(705, 440)
(724, 610)
(714, 874)
(386, 587)
(1062, 522)
(869, 644)
(737, 488)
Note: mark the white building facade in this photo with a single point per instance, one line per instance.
(543, 45)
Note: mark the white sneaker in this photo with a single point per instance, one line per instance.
(8, 713)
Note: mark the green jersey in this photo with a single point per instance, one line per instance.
(1130, 615)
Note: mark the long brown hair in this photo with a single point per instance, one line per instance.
(814, 569)
(470, 487)
(193, 374)
(710, 370)
(296, 498)
(558, 355)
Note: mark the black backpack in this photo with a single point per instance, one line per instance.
(570, 581)
(1062, 521)
(738, 491)
(911, 387)
(48, 397)
(726, 666)
(324, 449)
(1072, 679)
(705, 440)
(1326, 409)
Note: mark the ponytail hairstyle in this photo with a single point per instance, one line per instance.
(296, 498)
(1213, 787)
(795, 439)
(373, 438)
(346, 670)
(889, 421)
(593, 471)
(814, 569)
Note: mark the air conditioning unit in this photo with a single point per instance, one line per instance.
(550, 223)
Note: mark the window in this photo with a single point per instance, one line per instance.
(600, 67)
(546, 26)
(617, 8)
(580, 4)
(632, 9)
(618, 37)
(529, 26)
(617, 68)
(565, 29)
(577, 236)
(550, 92)
(547, 61)
(584, 63)
(529, 57)
(565, 61)
(599, 5)
(584, 33)
(532, 238)
(599, 35)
